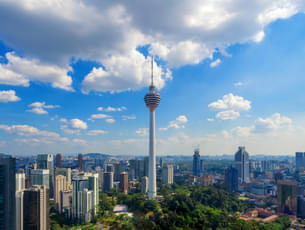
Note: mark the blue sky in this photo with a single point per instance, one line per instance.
(228, 74)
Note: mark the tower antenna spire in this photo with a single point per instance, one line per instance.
(152, 70)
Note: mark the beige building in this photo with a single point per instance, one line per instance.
(60, 185)
(168, 174)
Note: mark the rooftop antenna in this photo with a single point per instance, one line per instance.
(152, 70)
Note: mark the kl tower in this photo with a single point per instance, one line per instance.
(152, 100)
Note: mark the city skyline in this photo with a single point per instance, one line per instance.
(77, 86)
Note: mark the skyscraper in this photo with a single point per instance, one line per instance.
(108, 181)
(242, 164)
(7, 193)
(58, 160)
(93, 186)
(80, 161)
(167, 174)
(196, 163)
(36, 208)
(287, 197)
(40, 177)
(124, 182)
(152, 100)
(231, 179)
(60, 185)
(300, 161)
(20, 181)
(46, 161)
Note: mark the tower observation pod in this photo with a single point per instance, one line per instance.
(152, 100)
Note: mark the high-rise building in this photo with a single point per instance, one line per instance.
(66, 203)
(124, 182)
(80, 161)
(20, 181)
(300, 161)
(65, 172)
(36, 208)
(85, 189)
(161, 162)
(231, 179)
(93, 185)
(196, 163)
(40, 177)
(46, 161)
(144, 184)
(167, 174)
(58, 160)
(116, 171)
(7, 192)
(146, 166)
(201, 166)
(108, 181)
(60, 185)
(242, 164)
(19, 209)
(152, 100)
(287, 197)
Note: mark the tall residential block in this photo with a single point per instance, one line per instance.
(93, 185)
(7, 192)
(167, 174)
(36, 208)
(242, 164)
(60, 185)
(152, 100)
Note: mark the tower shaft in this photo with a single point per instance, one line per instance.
(152, 184)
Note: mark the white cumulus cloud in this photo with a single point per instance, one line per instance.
(112, 109)
(96, 132)
(40, 107)
(176, 124)
(215, 63)
(228, 115)
(8, 96)
(74, 126)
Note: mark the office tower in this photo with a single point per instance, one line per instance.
(80, 161)
(40, 177)
(65, 172)
(124, 182)
(168, 174)
(36, 208)
(66, 203)
(144, 184)
(45, 161)
(93, 185)
(60, 185)
(242, 164)
(287, 197)
(116, 171)
(109, 168)
(108, 181)
(231, 179)
(79, 183)
(300, 161)
(7, 192)
(152, 100)
(196, 163)
(20, 181)
(146, 166)
(58, 160)
(140, 170)
(19, 209)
